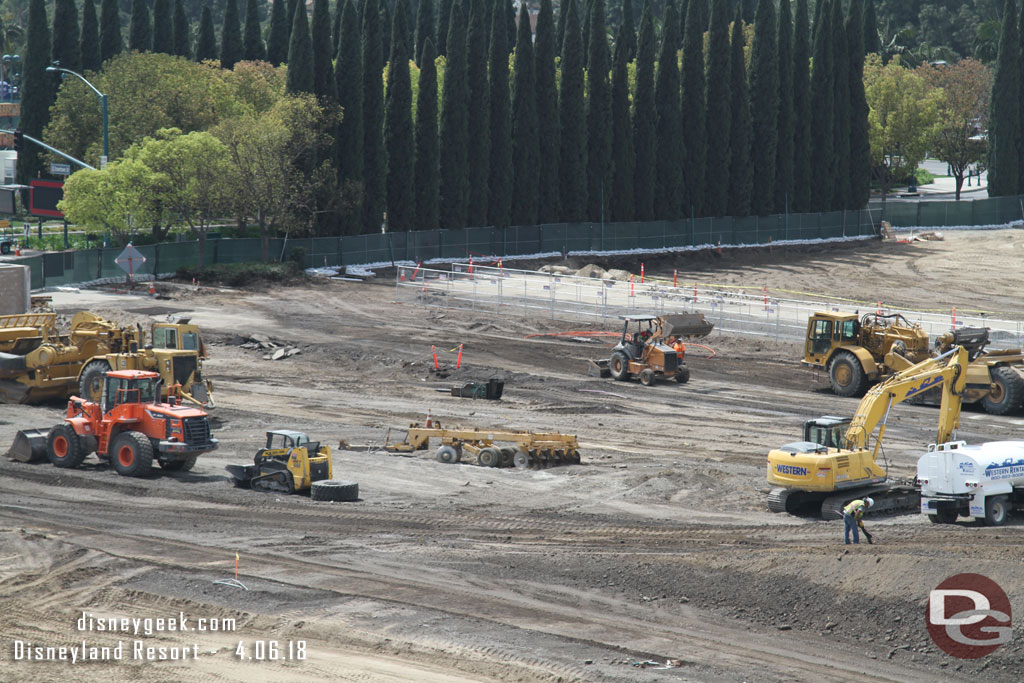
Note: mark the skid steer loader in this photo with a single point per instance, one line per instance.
(290, 463)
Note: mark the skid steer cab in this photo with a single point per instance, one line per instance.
(290, 463)
(130, 427)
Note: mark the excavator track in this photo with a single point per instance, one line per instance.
(890, 499)
(777, 499)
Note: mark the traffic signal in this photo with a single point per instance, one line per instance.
(17, 140)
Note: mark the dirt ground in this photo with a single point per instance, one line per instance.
(658, 547)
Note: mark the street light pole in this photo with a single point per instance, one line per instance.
(103, 109)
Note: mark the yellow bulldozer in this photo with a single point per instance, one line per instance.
(37, 363)
(858, 352)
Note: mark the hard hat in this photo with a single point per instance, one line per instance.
(869, 502)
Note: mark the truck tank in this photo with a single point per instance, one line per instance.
(984, 480)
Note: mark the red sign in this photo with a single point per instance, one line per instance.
(43, 198)
(969, 616)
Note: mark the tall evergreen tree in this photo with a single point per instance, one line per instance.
(563, 10)
(398, 136)
(140, 36)
(206, 41)
(300, 55)
(784, 151)
(90, 49)
(67, 41)
(700, 8)
(477, 116)
(627, 32)
(695, 144)
(817, 20)
(231, 36)
(410, 28)
(860, 145)
(373, 120)
(645, 143)
(684, 12)
(841, 87)
(667, 105)
(548, 133)
(182, 31)
(277, 39)
(385, 32)
(620, 199)
(510, 24)
(454, 180)
(572, 122)
(801, 110)
(764, 106)
(444, 17)
(588, 15)
(38, 91)
(1020, 118)
(871, 42)
(599, 116)
(349, 86)
(290, 14)
(525, 152)
(339, 7)
(822, 117)
(1004, 127)
(499, 206)
(741, 175)
(323, 65)
(424, 30)
(252, 35)
(718, 108)
(111, 43)
(425, 163)
(163, 40)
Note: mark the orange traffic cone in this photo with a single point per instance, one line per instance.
(430, 421)
(152, 287)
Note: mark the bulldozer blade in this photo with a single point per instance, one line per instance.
(29, 445)
(598, 368)
(690, 325)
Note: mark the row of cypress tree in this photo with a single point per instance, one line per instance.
(559, 140)
(1006, 115)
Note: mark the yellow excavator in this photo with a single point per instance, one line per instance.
(836, 462)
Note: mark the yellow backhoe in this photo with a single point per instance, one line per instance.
(836, 461)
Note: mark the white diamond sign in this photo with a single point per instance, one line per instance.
(130, 259)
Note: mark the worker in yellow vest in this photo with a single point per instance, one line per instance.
(852, 513)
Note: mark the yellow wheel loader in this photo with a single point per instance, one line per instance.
(859, 352)
(290, 463)
(643, 350)
(836, 462)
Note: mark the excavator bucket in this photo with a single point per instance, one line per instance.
(29, 445)
(689, 325)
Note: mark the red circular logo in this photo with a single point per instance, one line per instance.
(968, 616)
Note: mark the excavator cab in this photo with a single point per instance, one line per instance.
(827, 431)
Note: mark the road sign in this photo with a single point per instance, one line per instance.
(130, 260)
(60, 169)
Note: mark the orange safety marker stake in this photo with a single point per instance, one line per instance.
(765, 290)
(879, 311)
(641, 273)
(236, 566)
(675, 275)
(416, 272)
(694, 292)
(631, 285)
(458, 361)
(433, 349)
(954, 317)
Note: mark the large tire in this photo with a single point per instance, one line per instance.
(647, 377)
(448, 454)
(334, 490)
(618, 366)
(683, 375)
(997, 508)
(489, 457)
(64, 447)
(846, 375)
(1006, 393)
(179, 465)
(131, 454)
(90, 384)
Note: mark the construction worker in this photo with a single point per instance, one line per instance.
(852, 513)
(680, 348)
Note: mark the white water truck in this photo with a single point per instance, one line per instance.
(985, 481)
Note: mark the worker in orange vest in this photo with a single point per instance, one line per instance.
(680, 349)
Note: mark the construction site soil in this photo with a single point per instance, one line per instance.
(655, 559)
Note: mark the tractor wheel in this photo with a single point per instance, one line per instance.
(448, 454)
(943, 516)
(1006, 392)
(64, 447)
(647, 377)
(846, 375)
(683, 375)
(619, 366)
(521, 459)
(179, 465)
(131, 453)
(334, 490)
(489, 457)
(90, 386)
(996, 510)
(508, 455)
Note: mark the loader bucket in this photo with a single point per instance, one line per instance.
(242, 474)
(691, 325)
(29, 445)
